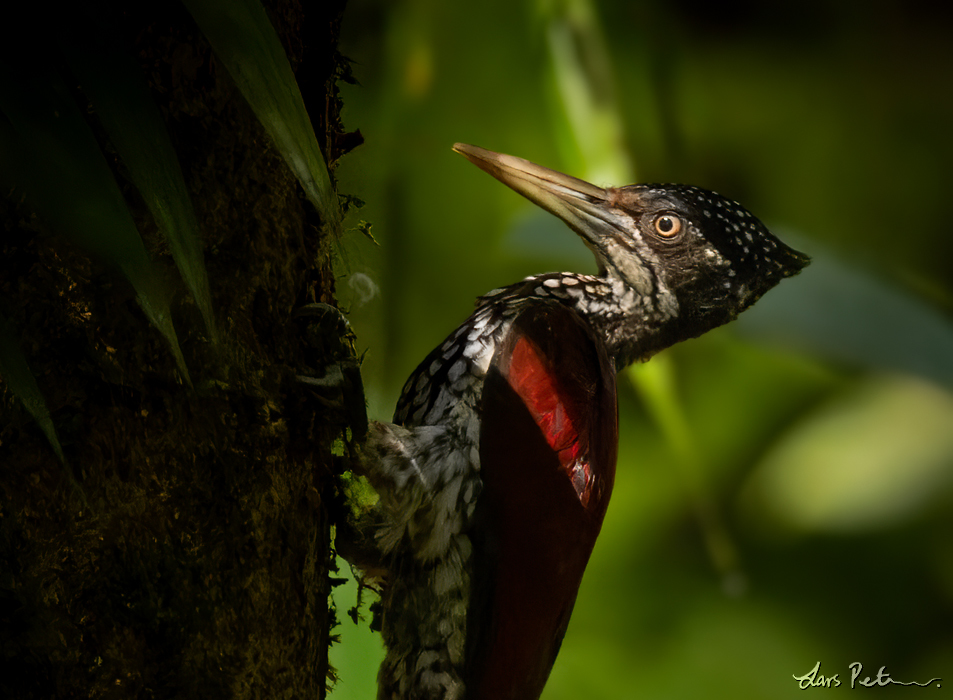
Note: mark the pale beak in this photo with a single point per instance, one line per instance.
(585, 208)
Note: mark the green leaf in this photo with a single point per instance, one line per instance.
(871, 457)
(582, 71)
(655, 383)
(120, 96)
(840, 312)
(245, 41)
(48, 151)
(18, 377)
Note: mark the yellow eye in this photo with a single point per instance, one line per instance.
(668, 225)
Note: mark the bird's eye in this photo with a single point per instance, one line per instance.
(668, 225)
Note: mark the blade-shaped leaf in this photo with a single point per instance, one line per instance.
(48, 151)
(245, 41)
(120, 96)
(15, 372)
(837, 310)
(582, 69)
(655, 383)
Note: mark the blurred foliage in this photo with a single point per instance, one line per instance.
(17, 375)
(783, 483)
(184, 573)
(246, 43)
(120, 96)
(50, 157)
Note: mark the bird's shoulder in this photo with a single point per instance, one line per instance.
(454, 370)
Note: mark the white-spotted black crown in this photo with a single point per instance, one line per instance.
(756, 255)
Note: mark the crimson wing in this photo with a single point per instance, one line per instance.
(548, 443)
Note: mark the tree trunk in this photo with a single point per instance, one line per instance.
(184, 549)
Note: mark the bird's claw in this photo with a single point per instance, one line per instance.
(332, 372)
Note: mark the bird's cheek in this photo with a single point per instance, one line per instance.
(702, 289)
(631, 268)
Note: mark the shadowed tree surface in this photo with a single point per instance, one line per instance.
(184, 548)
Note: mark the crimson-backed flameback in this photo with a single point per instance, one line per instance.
(496, 473)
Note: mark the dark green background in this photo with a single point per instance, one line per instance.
(784, 483)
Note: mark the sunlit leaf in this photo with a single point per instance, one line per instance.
(48, 152)
(120, 96)
(15, 372)
(655, 384)
(245, 41)
(867, 459)
(582, 70)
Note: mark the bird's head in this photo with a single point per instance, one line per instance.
(701, 258)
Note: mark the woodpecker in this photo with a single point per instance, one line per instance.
(495, 475)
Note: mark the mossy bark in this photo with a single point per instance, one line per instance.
(184, 551)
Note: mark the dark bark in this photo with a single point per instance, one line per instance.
(185, 549)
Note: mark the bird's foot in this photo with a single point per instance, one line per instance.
(331, 370)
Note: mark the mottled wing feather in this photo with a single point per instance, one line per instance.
(427, 380)
(432, 376)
